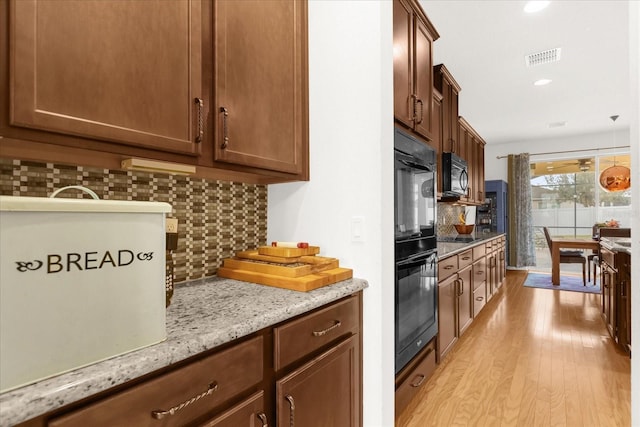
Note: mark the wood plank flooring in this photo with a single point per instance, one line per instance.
(532, 357)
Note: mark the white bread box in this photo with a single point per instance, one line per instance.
(80, 281)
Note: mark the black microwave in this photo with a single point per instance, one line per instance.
(455, 175)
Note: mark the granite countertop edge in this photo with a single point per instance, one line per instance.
(613, 244)
(447, 249)
(203, 314)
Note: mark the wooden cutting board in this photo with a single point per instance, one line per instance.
(302, 283)
(304, 265)
(288, 252)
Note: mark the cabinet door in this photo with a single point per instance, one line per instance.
(324, 392)
(479, 166)
(121, 71)
(403, 63)
(609, 299)
(248, 413)
(447, 315)
(423, 79)
(491, 270)
(501, 265)
(261, 111)
(465, 300)
(436, 142)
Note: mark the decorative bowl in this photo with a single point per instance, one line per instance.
(464, 228)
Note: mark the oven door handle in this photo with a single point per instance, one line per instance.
(409, 161)
(418, 259)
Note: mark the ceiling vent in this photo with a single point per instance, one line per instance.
(544, 57)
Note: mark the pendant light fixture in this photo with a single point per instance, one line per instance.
(616, 177)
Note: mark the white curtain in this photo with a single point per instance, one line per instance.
(522, 252)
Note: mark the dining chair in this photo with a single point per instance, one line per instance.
(595, 258)
(568, 256)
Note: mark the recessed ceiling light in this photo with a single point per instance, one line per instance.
(542, 82)
(535, 6)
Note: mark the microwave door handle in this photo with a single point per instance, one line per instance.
(464, 179)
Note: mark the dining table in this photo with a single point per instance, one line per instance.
(558, 243)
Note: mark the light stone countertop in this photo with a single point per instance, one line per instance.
(617, 244)
(203, 314)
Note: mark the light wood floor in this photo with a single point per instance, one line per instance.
(532, 357)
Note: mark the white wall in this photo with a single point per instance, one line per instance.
(351, 154)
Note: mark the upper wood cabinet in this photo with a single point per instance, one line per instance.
(437, 142)
(217, 84)
(413, 37)
(127, 72)
(472, 150)
(261, 84)
(450, 90)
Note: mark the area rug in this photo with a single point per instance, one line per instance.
(567, 283)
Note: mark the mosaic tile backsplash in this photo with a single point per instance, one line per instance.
(216, 218)
(447, 216)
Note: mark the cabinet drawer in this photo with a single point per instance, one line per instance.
(479, 252)
(479, 298)
(447, 267)
(479, 272)
(465, 259)
(608, 257)
(416, 378)
(249, 412)
(303, 336)
(216, 378)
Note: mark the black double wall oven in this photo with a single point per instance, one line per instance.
(416, 287)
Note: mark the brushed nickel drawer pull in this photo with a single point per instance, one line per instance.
(479, 298)
(200, 136)
(159, 414)
(292, 409)
(448, 267)
(419, 382)
(263, 418)
(330, 328)
(225, 129)
(466, 258)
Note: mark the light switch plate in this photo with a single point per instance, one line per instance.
(357, 229)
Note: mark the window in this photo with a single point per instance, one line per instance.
(568, 199)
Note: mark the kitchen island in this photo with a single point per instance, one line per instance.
(204, 314)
